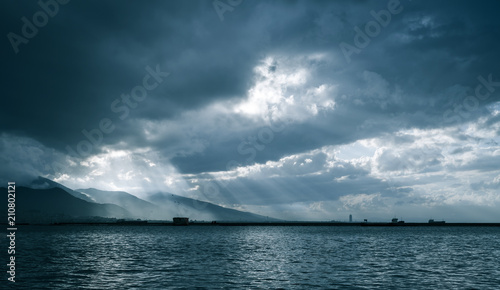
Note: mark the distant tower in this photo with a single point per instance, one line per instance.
(350, 218)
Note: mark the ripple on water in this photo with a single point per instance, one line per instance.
(98, 257)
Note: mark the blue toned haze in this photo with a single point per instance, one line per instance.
(296, 110)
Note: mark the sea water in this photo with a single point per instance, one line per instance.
(252, 257)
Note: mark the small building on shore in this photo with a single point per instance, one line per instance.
(432, 221)
(181, 221)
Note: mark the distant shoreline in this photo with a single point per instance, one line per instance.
(353, 224)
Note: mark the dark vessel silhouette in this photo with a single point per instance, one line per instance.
(181, 221)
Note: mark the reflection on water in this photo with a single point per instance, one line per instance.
(124, 257)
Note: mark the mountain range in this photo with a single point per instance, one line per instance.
(46, 201)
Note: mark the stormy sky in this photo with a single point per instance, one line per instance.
(302, 110)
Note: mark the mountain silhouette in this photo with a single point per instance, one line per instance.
(42, 182)
(51, 201)
(165, 206)
(201, 210)
(136, 206)
(56, 205)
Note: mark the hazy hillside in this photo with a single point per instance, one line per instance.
(43, 183)
(136, 206)
(167, 205)
(200, 210)
(50, 198)
(55, 204)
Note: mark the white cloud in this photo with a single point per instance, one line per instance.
(282, 90)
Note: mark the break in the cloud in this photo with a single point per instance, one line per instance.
(263, 110)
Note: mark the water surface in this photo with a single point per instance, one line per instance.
(165, 257)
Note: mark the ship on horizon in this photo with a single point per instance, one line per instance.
(432, 221)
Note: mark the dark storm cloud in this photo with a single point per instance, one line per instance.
(341, 128)
(311, 177)
(297, 189)
(425, 61)
(66, 77)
